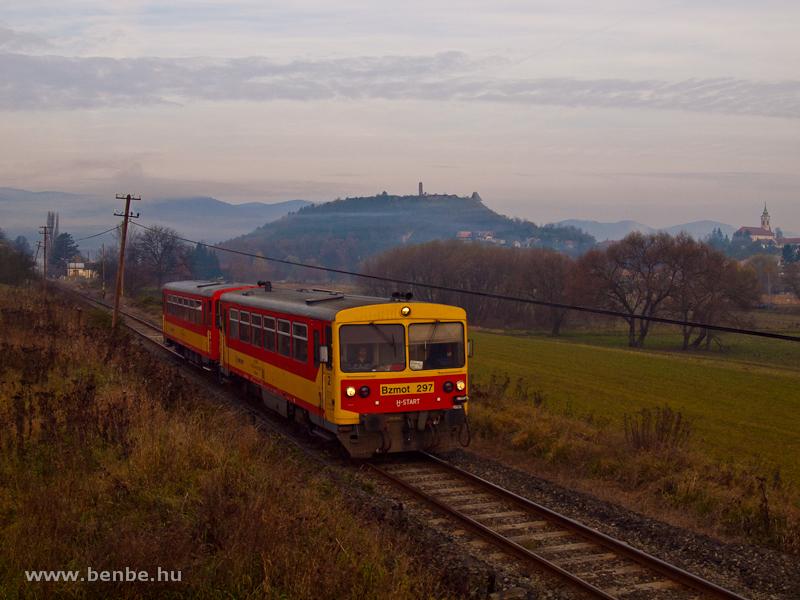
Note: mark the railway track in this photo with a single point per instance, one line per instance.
(200, 375)
(591, 562)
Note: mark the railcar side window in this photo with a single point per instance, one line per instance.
(284, 338)
(244, 326)
(255, 330)
(198, 312)
(435, 346)
(372, 347)
(300, 342)
(233, 326)
(185, 309)
(269, 334)
(191, 311)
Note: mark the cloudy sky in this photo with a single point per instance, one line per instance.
(659, 112)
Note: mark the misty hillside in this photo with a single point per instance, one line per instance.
(83, 215)
(616, 231)
(342, 233)
(212, 220)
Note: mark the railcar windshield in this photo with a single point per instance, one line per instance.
(435, 346)
(372, 348)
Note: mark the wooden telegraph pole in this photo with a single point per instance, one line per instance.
(126, 215)
(104, 270)
(44, 230)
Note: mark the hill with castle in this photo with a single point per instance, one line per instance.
(342, 233)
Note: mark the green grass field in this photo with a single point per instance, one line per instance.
(745, 399)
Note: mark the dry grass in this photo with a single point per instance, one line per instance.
(108, 460)
(653, 468)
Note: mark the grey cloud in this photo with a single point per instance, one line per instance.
(15, 41)
(59, 83)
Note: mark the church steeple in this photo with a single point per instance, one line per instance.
(765, 219)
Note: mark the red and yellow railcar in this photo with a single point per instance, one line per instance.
(379, 374)
(188, 311)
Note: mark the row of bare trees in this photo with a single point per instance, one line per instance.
(654, 275)
(156, 255)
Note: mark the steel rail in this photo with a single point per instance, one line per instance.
(671, 571)
(668, 570)
(496, 538)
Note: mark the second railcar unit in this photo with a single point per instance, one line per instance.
(188, 316)
(379, 374)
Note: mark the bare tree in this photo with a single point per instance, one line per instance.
(451, 264)
(791, 278)
(161, 254)
(52, 228)
(766, 269)
(711, 290)
(634, 276)
(544, 274)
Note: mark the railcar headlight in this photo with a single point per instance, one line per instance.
(460, 386)
(363, 391)
(405, 311)
(447, 387)
(350, 391)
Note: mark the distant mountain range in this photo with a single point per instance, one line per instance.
(616, 231)
(83, 215)
(360, 226)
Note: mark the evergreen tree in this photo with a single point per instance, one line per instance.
(204, 263)
(64, 250)
(16, 266)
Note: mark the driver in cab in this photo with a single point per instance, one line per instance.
(362, 362)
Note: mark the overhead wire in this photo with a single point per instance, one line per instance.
(584, 309)
(95, 235)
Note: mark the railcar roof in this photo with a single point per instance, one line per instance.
(314, 304)
(205, 288)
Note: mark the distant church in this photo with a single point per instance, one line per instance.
(758, 233)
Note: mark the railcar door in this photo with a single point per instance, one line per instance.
(222, 319)
(327, 374)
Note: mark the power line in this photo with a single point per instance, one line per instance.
(95, 235)
(430, 286)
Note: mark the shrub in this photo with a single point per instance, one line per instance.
(647, 429)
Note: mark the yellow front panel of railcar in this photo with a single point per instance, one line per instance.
(392, 391)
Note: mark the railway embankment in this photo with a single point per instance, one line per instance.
(754, 572)
(112, 464)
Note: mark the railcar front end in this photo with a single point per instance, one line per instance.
(376, 374)
(400, 378)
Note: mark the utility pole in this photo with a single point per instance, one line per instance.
(44, 230)
(103, 246)
(127, 214)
